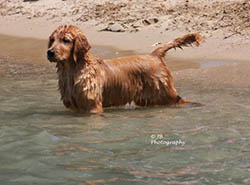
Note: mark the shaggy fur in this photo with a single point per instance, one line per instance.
(87, 83)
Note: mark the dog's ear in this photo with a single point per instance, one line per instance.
(81, 47)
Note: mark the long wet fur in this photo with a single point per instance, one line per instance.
(87, 83)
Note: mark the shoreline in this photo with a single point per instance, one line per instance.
(205, 71)
(213, 48)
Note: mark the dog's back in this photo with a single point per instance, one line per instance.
(144, 79)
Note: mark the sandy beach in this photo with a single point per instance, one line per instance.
(132, 27)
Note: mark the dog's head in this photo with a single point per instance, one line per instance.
(66, 44)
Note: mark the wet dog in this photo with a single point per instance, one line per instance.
(87, 83)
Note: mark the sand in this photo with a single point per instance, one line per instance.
(137, 25)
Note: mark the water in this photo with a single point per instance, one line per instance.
(42, 143)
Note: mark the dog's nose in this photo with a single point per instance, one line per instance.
(50, 53)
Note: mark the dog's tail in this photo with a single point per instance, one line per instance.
(186, 40)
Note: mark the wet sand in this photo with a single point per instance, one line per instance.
(26, 57)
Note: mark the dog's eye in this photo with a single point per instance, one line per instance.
(65, 40)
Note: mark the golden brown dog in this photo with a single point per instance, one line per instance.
(87, 83)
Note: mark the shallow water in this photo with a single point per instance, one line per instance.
(42, 143)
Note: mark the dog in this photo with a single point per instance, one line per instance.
(88, 84)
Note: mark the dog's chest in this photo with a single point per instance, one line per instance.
(80, 88)
(66, 87)
(87, 84)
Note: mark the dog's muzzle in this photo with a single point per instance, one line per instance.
(51, 55)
